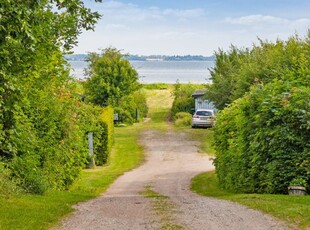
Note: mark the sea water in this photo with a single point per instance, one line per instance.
(161, 71)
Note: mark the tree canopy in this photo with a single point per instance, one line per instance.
(237, 70)
(42, 122)
(111, 77)
(113, 81)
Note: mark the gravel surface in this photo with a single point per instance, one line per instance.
(172, 160)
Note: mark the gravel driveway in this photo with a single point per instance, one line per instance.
(156, 195)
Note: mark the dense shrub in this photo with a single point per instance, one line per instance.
(132, 108)
(103, 136)
(262, 139)
(8, 185)
(49, 146)
(182, 119)
(183, 100)
(139, 98)
(262, 134)
(58, 148)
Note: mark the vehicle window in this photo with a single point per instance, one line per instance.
(204, 113)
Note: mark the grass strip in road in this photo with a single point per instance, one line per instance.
(44, 211)
(290, 209)
(163, 207)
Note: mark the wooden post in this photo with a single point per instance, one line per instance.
(91, 163)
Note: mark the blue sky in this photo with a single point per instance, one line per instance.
(196, 27)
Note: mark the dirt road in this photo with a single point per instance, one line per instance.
(156, 195)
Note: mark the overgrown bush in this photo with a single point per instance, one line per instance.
(8, 185)
(132, 108)
(139, 98)
(183, 119)
(49, 146)
(183, 100)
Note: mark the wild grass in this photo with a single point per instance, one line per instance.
(159, 103)
(161, 86)
(294, 210)
(202, 135)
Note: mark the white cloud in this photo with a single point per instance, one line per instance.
(258, 19)
(251, 20)
(155, 30)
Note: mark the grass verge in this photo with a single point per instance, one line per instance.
(43, 212)
(204, 136)
(291, 209)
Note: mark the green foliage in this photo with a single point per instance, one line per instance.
(111, 78)
(103, 136)
(42, 140)
(139, 97)
(132, 108)
(182, 119)
(113, 81)
(298, 182)
(45, 211)
(237, 70)
(156, 86)
(8, 185)
(262, 139)
(183, 100)
(224, 76)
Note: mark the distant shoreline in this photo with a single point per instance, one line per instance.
(83, 57)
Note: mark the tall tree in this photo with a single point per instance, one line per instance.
(111, 77)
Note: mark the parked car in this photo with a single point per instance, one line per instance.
(203, 118)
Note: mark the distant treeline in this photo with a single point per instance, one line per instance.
(83, 57)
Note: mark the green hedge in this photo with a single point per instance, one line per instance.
(104, 136)
(48, 146)
(262, 139)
